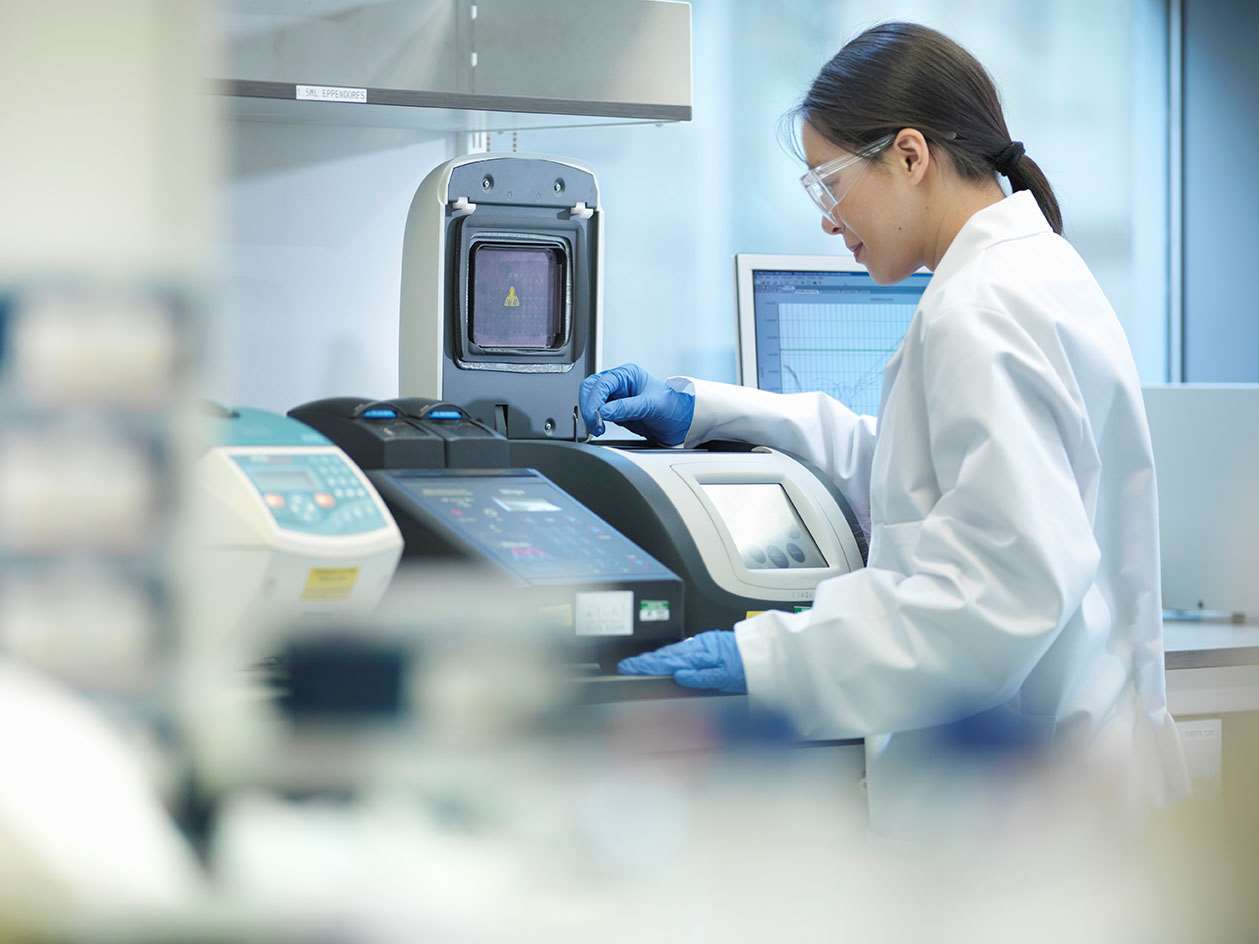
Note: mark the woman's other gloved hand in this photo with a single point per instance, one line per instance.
(708, 660)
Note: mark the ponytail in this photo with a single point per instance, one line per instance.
(902, 75)
(1025, 174)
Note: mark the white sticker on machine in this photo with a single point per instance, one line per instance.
(605, 613)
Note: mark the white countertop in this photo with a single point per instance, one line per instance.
(1196, 645)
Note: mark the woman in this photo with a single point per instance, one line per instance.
(1008, 486)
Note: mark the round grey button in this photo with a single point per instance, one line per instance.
(796, 553)
(757, 555)
(777, 556)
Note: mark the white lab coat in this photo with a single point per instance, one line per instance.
(1009, 497)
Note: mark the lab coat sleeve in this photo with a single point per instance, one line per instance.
(813, 426)
(997, 567)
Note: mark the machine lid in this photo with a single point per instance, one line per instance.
(246, 426)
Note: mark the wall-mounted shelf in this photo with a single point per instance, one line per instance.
(458, 65)
(438, 111)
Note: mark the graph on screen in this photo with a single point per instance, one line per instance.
(840, 349)
(831, 332)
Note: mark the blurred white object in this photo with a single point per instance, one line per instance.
(1206, 453)
(446, 665)
(286, 525)
(97, 349)
(122, 190)
(80, 825)
(76, 485)
(86, 625)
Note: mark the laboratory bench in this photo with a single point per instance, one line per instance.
(1212, 671)
(1212, 667)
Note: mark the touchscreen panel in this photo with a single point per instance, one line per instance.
(517, 296)
(766, 527)
(531, 527)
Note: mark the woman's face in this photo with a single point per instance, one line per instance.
(880, 217)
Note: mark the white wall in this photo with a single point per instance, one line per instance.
(315, 216)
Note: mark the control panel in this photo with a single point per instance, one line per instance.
(529, 526)
(316, 493)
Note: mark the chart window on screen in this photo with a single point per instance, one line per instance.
(828, 331)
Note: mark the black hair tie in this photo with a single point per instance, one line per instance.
(1008, 158)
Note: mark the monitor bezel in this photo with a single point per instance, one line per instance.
(470, 356)
(525, 242)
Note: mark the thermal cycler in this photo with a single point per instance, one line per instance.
(449, 482)
(287, 526)
(501, 313)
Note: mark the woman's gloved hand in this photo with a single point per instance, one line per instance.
(708, 660)
(630, 396)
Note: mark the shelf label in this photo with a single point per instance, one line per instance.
(331, 93)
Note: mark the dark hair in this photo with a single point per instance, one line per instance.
(903, 75)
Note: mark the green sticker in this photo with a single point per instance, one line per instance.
(653, 611)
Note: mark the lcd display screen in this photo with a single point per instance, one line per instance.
(766, 527)
(517, 297)
(283, 480)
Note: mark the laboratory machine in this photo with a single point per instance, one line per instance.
(501, 312)
(500, 302)
(449, 482)
(286, 525)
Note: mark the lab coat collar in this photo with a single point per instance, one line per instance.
(1016, 216)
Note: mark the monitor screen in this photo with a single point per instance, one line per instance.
(830, 331)
(517, 297)
(765, 526)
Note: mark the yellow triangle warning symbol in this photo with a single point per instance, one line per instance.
(512, 300)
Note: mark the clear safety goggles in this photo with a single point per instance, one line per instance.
(827, 184)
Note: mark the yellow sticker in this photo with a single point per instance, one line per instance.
(512, 300)
(330, 584)
(752, 613)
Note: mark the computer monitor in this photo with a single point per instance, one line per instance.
(820, 323)
(1206, 450)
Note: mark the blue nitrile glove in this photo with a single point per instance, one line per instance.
(709, 660)
(630, 396)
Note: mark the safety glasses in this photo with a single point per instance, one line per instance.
(827, 185)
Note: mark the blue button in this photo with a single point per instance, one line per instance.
(380, 414)
(444, 415)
